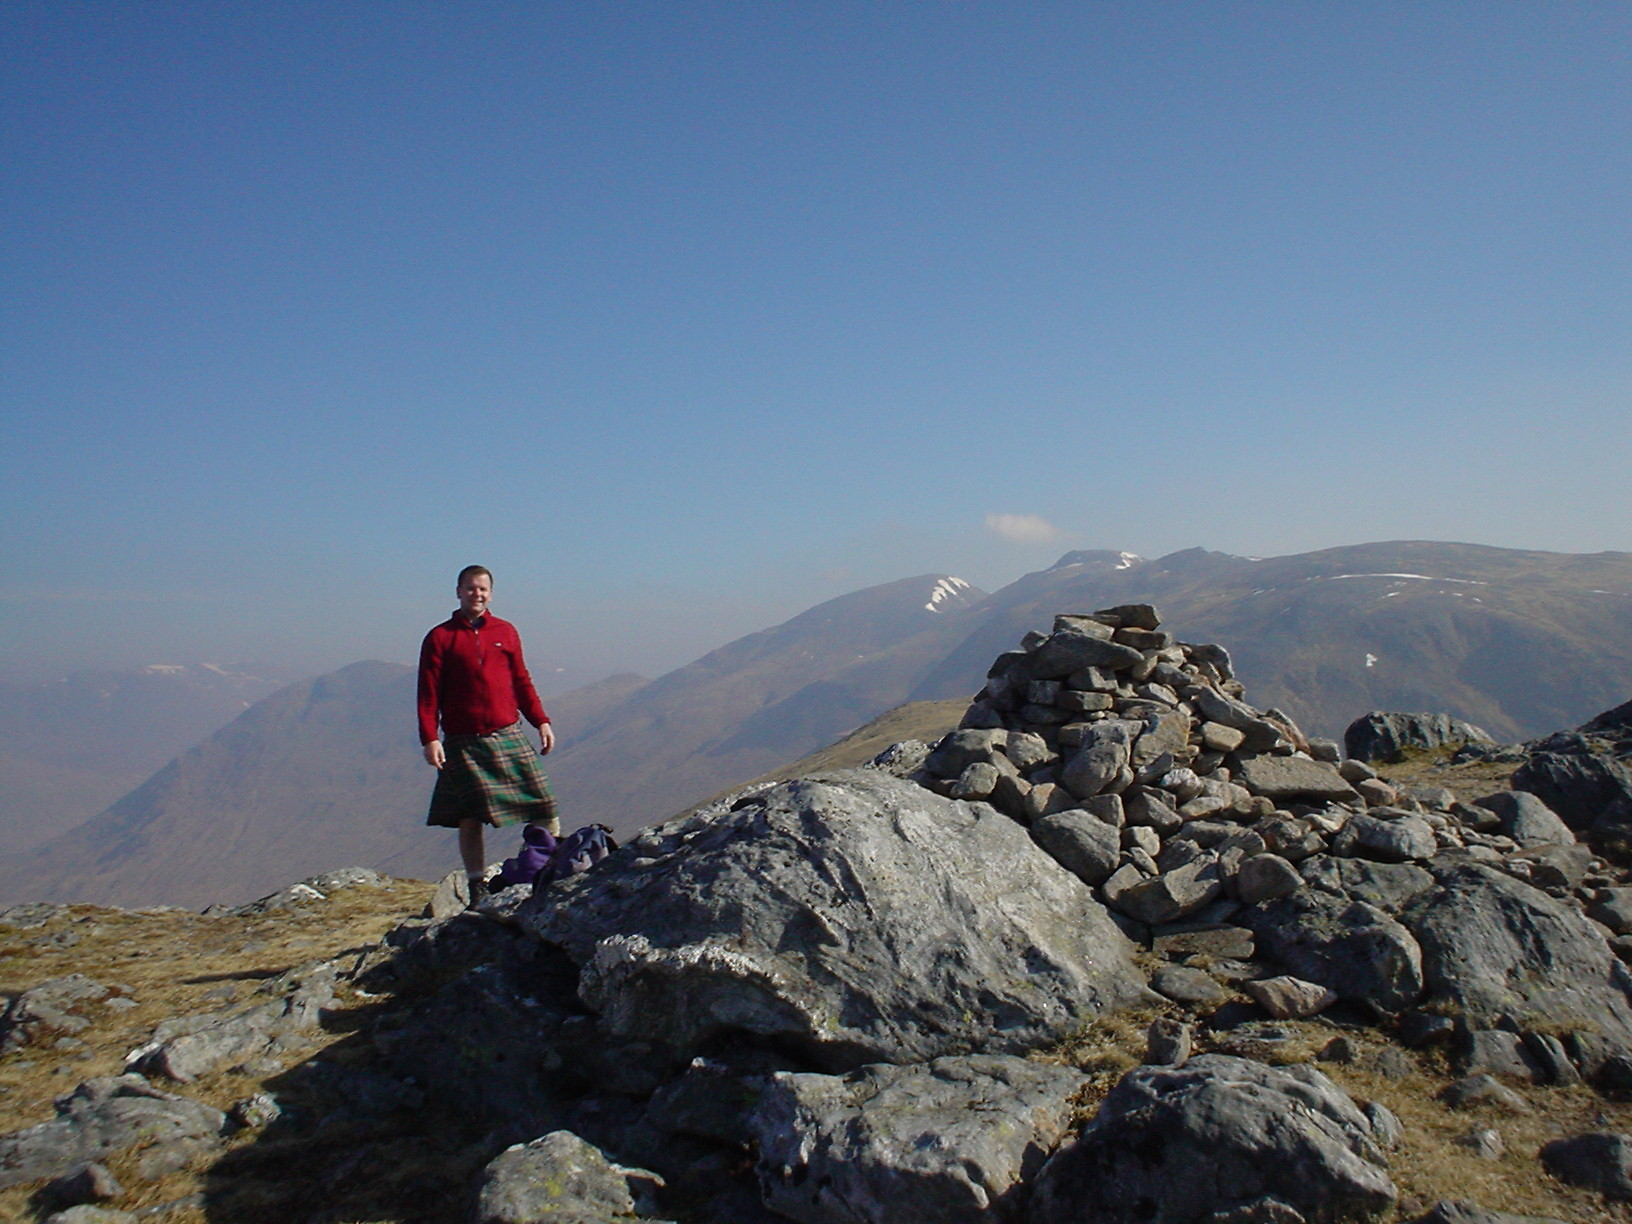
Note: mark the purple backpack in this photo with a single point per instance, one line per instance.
(537, 848)
(576, 852)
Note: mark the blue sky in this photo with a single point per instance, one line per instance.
(683, 317)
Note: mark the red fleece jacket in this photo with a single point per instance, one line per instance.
(475, 678)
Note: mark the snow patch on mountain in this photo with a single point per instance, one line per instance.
(947, 588)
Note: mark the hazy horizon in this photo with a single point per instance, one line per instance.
(684, 319)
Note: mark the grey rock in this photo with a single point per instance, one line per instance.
(1498, 1052)
(1072, 650)
(1289, 998)
(854, 914)
(1137, 1159)
(1461, 1211)
(1190, 986)
(1173, 894)
(1552, 868)
(905, 757)
(1599, 1160)
(1261, 735)
(1165, 733)
(1216, 737)
(1266, 877)
(1083, 844)
(99, 1118)
(1579, 785)
(54, 1009)
(257, 1110)
(1214, 942)
(958, 750)
(1355, 772)
(1141, 838)
(1168, 1042)
(1484, 1090)
(1402, 840)
(559, 1178)
(1554, 1061)
(1027, 751)
(1494, 947)
(1121, 880)
(1140, 616)
(1613, 908)
(1287, 779)
(950, 1140)
(1431, 798)
(977, 781)
(1485, 1142)
(1389, 886)
(1291, 838)
(1101, 757)
(91, 1183)
(184, 1048)
(1376, 792)
(979, 716)
(1152, 810)
(1382, 736)
(89, 1214)
(1354, 948)
(1526, 819)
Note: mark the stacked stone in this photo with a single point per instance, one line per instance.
(1137, 764)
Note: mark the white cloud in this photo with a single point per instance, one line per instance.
(1021, 528)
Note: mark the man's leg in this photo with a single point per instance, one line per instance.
(472, 851)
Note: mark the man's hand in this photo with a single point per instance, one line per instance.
(546, 739)
(434, 755)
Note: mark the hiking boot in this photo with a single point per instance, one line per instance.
(479, 891)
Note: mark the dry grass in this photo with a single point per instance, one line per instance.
(405, 1168)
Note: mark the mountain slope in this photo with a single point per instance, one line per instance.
(758, 702)
(1520, 643)
(71, 747)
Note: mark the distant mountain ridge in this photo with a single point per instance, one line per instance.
(70, 747)
(1520, 643)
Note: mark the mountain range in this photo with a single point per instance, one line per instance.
(71, 747)
(1521, 643)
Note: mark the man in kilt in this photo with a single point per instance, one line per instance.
(474, 682)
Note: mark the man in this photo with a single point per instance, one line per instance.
(473, 679)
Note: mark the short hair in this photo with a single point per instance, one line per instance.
(469, 572)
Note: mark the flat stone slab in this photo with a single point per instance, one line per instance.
(1288, 777)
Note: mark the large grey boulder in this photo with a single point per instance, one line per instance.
(1190, 1144)
(1575, 779)
(186, 1047)
(1527, 820)
(1503, 953)
(99, 1118)
(1599, 1160)
(1349, 946)
(560, 1179)
(1380, 736)
(854, 917)
(950, 1140)
(1388, 886)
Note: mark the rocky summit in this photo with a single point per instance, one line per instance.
(1121, 947)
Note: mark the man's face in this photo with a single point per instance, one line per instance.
(474, 592)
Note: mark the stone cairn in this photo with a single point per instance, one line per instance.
(1136, 763)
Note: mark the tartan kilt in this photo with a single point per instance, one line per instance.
(494, 778)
